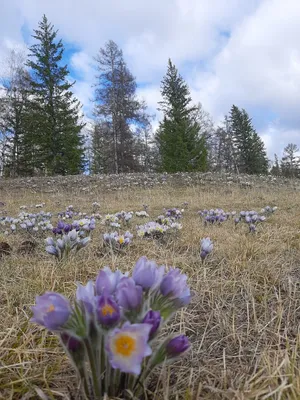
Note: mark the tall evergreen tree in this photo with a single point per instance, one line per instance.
(290, 163)
(117, 112)
(248, 148)
(181, 146)
(57, 143)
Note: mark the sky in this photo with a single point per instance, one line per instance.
(242, 52)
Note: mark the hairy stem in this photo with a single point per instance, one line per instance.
(95, 378)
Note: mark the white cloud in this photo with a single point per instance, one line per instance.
(276, 137)
(260, 65)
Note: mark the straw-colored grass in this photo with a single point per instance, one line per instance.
(243, 320)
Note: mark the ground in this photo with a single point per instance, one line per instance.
(243, 321)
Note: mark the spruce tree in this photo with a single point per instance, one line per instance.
(181, 146)
(248, 148)
(55, 112)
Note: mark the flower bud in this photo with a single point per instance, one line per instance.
(152, 318)
(177, 346)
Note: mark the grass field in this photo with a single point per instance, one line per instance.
(243, 320)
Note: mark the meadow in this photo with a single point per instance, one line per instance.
(242, 322)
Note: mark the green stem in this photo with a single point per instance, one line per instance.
(95, 377)
(107, 376)
(83, 376)
(115, 382)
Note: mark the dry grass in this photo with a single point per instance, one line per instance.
(243, 320)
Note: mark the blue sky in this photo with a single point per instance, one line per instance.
(243, 52)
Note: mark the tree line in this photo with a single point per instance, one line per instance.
(43, 130)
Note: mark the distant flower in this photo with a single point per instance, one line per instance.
(68, 242)
(206, 247)
(52, 310)
(252, 228)
(128, 346)
(116, 241)
(143, 214)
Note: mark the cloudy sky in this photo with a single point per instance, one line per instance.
(243, 52)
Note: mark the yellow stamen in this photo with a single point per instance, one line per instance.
(107, 309)
(51, 308)
(125, 345)
(121, 240)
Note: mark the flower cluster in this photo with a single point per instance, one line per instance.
(84, 226)
(142, 214)
(124, 216)
(217, 215)
(111, 220)
(27, 222)
(69, 242)
(174, 213)
(269, 210)
(251, 218)
(117, 242)
(151, 230)
(110, 330)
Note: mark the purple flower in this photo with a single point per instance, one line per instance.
(107, 281)
(152, 318)
(67, 228)
(252, 228)
(177, 345)
(146, 273)
(49, 241)
(52, 250)
(128, 294)
(86, 295)
(128, 346)
(174, 285)
(60, 225)
(52, 310)
(108, 312)
(206, 247)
